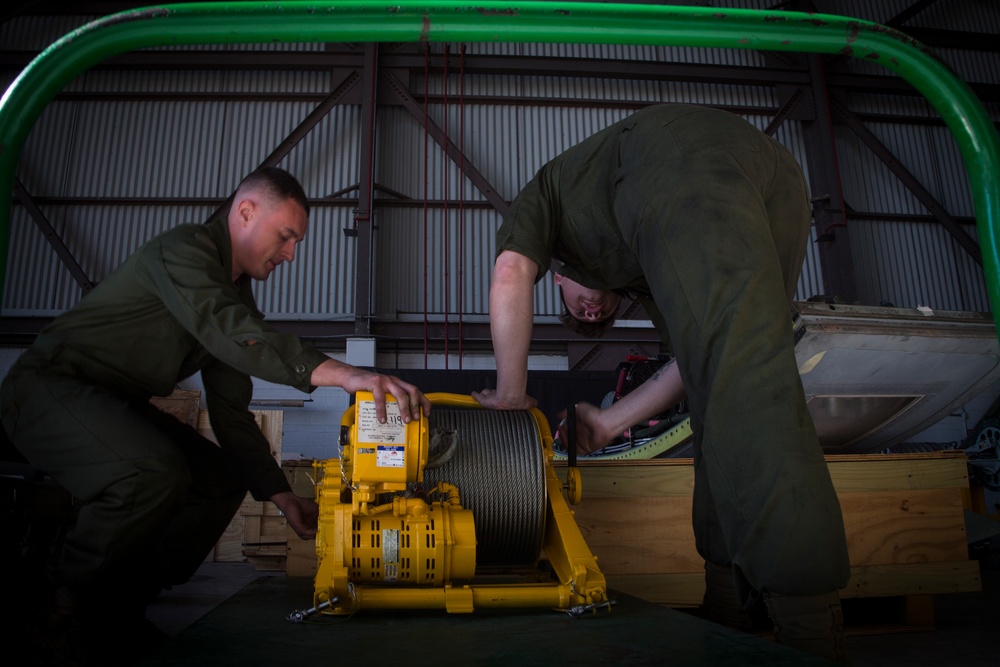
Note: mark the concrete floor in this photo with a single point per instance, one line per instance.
(965, 622)
(964, 634)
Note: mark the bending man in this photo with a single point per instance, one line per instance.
(704, 219)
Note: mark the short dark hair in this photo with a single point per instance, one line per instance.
(278, 183)
(590, 329)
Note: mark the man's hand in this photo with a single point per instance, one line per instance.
(489, 398)
(410, 399)
(591, 431)
(596, 427)
(333, 373)
(301, 513)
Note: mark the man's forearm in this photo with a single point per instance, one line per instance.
(330, 373)
(654, 396)
(512, 362)
(512, 306)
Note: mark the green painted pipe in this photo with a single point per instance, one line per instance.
(487, 21)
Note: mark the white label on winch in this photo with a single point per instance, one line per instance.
(390, 554)
(392, 432)
(390, 456)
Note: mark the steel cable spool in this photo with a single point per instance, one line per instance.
(499, 469)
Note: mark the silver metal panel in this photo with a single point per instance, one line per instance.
(915, 264)
(965, 15)
(277, 82)
(327, 159)
(99, 237)
(868, 185)
(875, 376)
(973, 66)
(929, 153)
(207, 82)
(626, 52)
(49, 150)
(251, 132)
(434, 264)
(678, 54)
(35, 33)
(36, 284)
(136, 149)
(321, 282)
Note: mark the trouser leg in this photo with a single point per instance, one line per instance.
(810, 623)
(721, 604)
(723, 601)
(214, 495)
(155, 495)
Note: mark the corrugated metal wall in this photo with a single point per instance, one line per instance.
(968, 15)
(914, 262)
(438, 261)
(509, 144)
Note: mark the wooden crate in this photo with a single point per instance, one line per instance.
(301, 558)
(903, 514)
(184, 404)
(257, 534)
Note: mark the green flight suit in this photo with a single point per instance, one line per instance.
(155, 494)
(705, 219)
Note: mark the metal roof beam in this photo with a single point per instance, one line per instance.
(908, 179)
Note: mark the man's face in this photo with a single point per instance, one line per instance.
(586, 304)
(266, 235)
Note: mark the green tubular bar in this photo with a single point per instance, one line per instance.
(487, 21)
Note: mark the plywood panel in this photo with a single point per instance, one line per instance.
(631, 536)
(637, 479)
(904, 526)
(888, 472)
(871, 472)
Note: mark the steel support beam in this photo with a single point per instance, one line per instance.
(344, 86)
(363, 215)
(67, 258)
(409, 335)
(832, 232)
(908, 179)
(403, 97)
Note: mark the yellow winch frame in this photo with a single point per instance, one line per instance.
(380, 548)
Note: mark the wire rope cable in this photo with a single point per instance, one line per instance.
(499, 469)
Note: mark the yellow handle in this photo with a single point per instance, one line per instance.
(453, 400)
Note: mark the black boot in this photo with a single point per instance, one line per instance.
(810, 623)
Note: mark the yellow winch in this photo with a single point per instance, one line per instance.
(459, 510)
